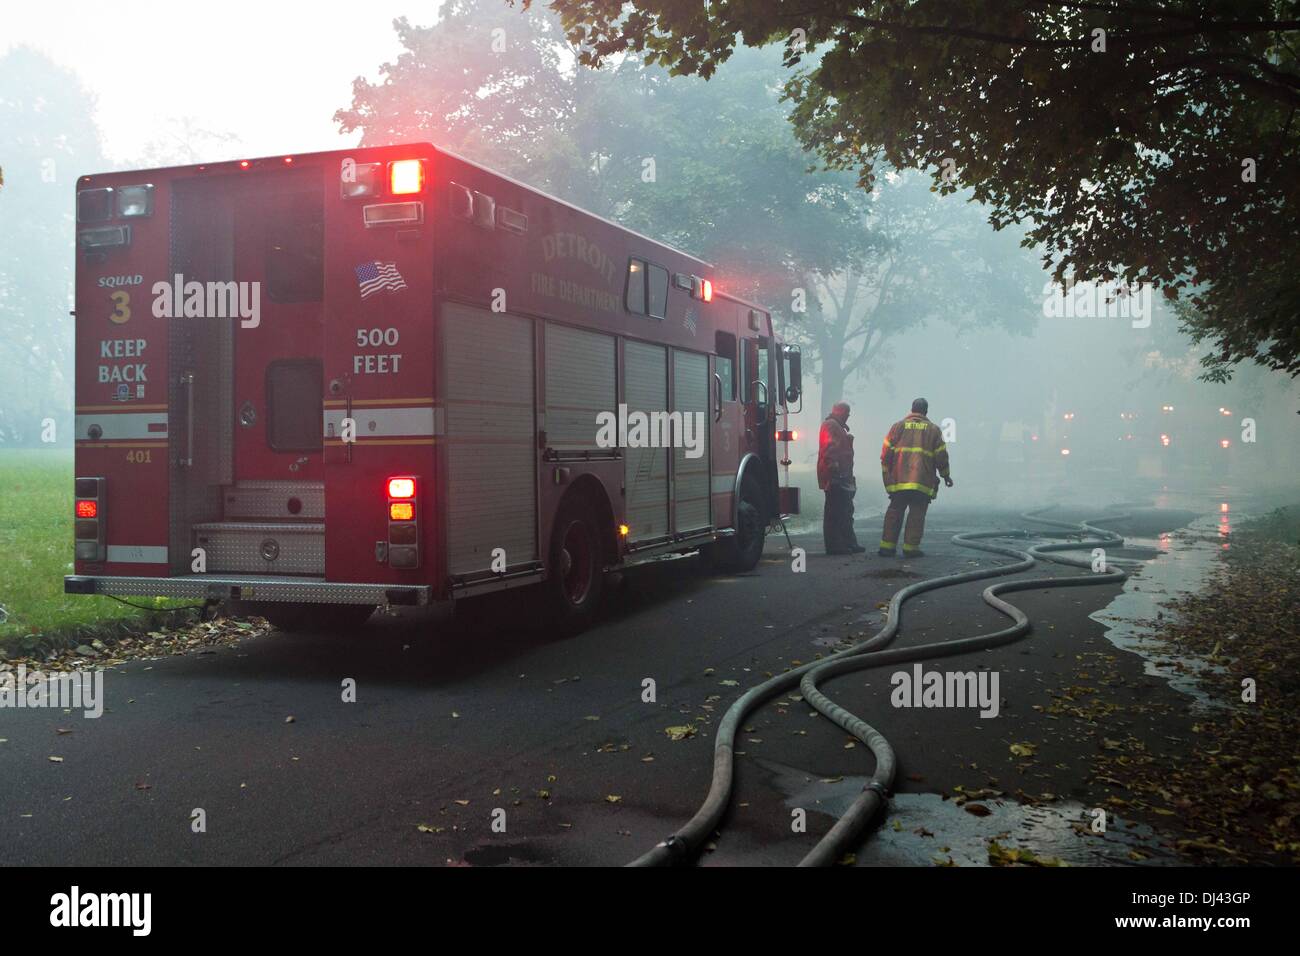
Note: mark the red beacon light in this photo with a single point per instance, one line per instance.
(401, 487)
(87, 509)
(706, 290)
(406, 176)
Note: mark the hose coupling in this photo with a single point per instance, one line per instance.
(676, 847)
(879, 787)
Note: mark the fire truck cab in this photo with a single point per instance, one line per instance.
(322, 383)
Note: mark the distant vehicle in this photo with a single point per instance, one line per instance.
(326, 382)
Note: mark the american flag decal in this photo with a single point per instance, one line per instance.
(375, 277)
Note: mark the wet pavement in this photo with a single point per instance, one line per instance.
(451, 725)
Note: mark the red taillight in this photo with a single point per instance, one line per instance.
(87, 509)
(406, 176)
(401, 511)
(706, 290)
(401, 487)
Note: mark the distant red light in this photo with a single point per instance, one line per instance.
(87, 509)
(244, 164)
(288, 160)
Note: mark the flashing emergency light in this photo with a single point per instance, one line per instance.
(87, 509)
(401, 511)
(1164, 440)
(706, 290)
(244, 164)
(623, 530)
(1065, 451)
(406, 176)
(1224, 443)
(401, 487)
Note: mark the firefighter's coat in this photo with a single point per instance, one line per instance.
(834, 453)
(914, 456)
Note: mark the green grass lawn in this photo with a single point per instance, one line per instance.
(36, 550)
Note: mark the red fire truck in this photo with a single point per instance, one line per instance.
(323, 383)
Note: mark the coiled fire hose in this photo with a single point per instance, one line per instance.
(683, 844)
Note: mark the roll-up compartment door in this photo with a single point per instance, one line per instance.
(580, 384)
(691, 446)
(645, 368)
(489, 438)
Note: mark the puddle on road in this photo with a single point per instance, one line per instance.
(923, 829)
(1187, 559)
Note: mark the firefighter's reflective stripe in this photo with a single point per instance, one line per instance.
(912, 486)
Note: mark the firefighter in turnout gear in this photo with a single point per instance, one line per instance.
(912, 460)
(835, 477)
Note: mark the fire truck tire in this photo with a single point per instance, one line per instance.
(327, 618)
(742, 551)
(577, 577)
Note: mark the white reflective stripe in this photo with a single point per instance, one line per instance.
(137, 553)
(381, 422)
(120, 425)
(723, 484)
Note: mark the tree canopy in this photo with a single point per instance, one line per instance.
(1138, 142)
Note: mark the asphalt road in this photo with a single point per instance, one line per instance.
(453, 722)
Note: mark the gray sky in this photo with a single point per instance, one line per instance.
(271, 72)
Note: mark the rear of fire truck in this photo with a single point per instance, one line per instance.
(252, 341)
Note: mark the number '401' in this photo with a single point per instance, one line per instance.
(138, 457)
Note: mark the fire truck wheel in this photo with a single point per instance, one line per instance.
(742, 551)
(326, 618)
(576, 577)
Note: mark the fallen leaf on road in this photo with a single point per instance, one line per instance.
(1023, 749)
(680, 732)
(613, 798)
(56, 760)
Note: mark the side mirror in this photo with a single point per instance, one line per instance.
(794, 362)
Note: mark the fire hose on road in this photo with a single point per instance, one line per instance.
(683, 844)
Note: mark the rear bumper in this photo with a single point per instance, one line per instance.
(250, 588)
